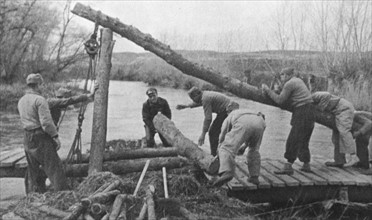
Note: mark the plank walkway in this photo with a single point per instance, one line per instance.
(323, 183)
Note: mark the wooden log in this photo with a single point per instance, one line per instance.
(99, 127)
(49, 210)
(115, 210)
(135, 154)
(123, 212)
(184, 145)
(77, 210)
(112, 186)
(143, 212)
(128, 166)
(117, 167)
(187, 214)
(98, 209)
(187, 67)
(150, 203)
(102, 197)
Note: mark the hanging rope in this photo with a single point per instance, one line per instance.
(92, 48)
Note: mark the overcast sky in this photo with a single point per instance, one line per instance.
(189, 24)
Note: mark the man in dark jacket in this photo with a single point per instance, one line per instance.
(150, 108)
(299, 97)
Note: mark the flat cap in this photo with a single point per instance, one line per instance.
(194, 91)
(34, 78)
(151, 91)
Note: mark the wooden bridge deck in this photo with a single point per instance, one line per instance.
(323, 183)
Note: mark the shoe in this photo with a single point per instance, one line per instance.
(214, 166)
(353, 160)
(254, 180)
(333, 164)
(361, 165)
(287, 170)
(366, 172)
(306, 168)
(225, 178)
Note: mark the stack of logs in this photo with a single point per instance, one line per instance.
(96, 205)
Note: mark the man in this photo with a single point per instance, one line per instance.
(63, 100)
(240, 126)
(342, 138)
(362, 132)
(297, 95)
(150, 108)
(41, 140)
(212, 102)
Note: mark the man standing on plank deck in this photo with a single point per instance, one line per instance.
(342, 138)
(41, 140)
(241, 126)
(298, 96)
(212, 102)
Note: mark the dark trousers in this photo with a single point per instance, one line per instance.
(214, 132)
(43, 162)
(150, 134)
(362, 150)
(297, 145)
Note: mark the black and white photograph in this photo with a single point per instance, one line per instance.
(181, 109)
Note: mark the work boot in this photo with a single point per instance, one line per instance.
(306, 168)
(353, 160)
(361, 165)
(225, 178)
(254, 180)
(287, 170)
(366, 172)
(333, 164)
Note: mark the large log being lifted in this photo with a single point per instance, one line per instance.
(146, 41)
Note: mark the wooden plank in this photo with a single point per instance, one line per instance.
(348, 178)
(271, 178)
(356, 172)
(289, 181)
(332, 173)
(304, 181)
(234, 184)
(319, 181)
(8, 154)
(9, 162)
(243, 180)
(5, 153)
(263, 183)
(21, 163)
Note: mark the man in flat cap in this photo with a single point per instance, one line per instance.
(212, 102)
(242, 126)
(63, 99)
(150, 108)
(297, 95)
(41, 140)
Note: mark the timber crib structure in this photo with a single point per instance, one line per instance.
(324, 183)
